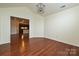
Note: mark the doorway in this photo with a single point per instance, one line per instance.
(19, 29)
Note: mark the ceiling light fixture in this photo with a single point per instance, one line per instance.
(63, 6)
(40, 8)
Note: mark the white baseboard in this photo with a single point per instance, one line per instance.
(4, 42)
(70, 43)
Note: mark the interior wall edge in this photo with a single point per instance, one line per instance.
(4, 42)
(65, 42)
(61, 41)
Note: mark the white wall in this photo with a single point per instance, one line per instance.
(36, 22)
(63, 26)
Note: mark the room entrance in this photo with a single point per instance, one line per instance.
(19, 28)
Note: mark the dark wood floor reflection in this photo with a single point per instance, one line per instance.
(37, 47)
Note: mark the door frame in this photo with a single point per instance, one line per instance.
(11, 25)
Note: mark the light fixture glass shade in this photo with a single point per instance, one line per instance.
(40, 8)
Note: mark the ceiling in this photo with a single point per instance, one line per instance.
(50, 8)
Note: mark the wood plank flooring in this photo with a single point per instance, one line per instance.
(37, 47)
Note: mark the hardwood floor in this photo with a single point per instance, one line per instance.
(37, 47)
